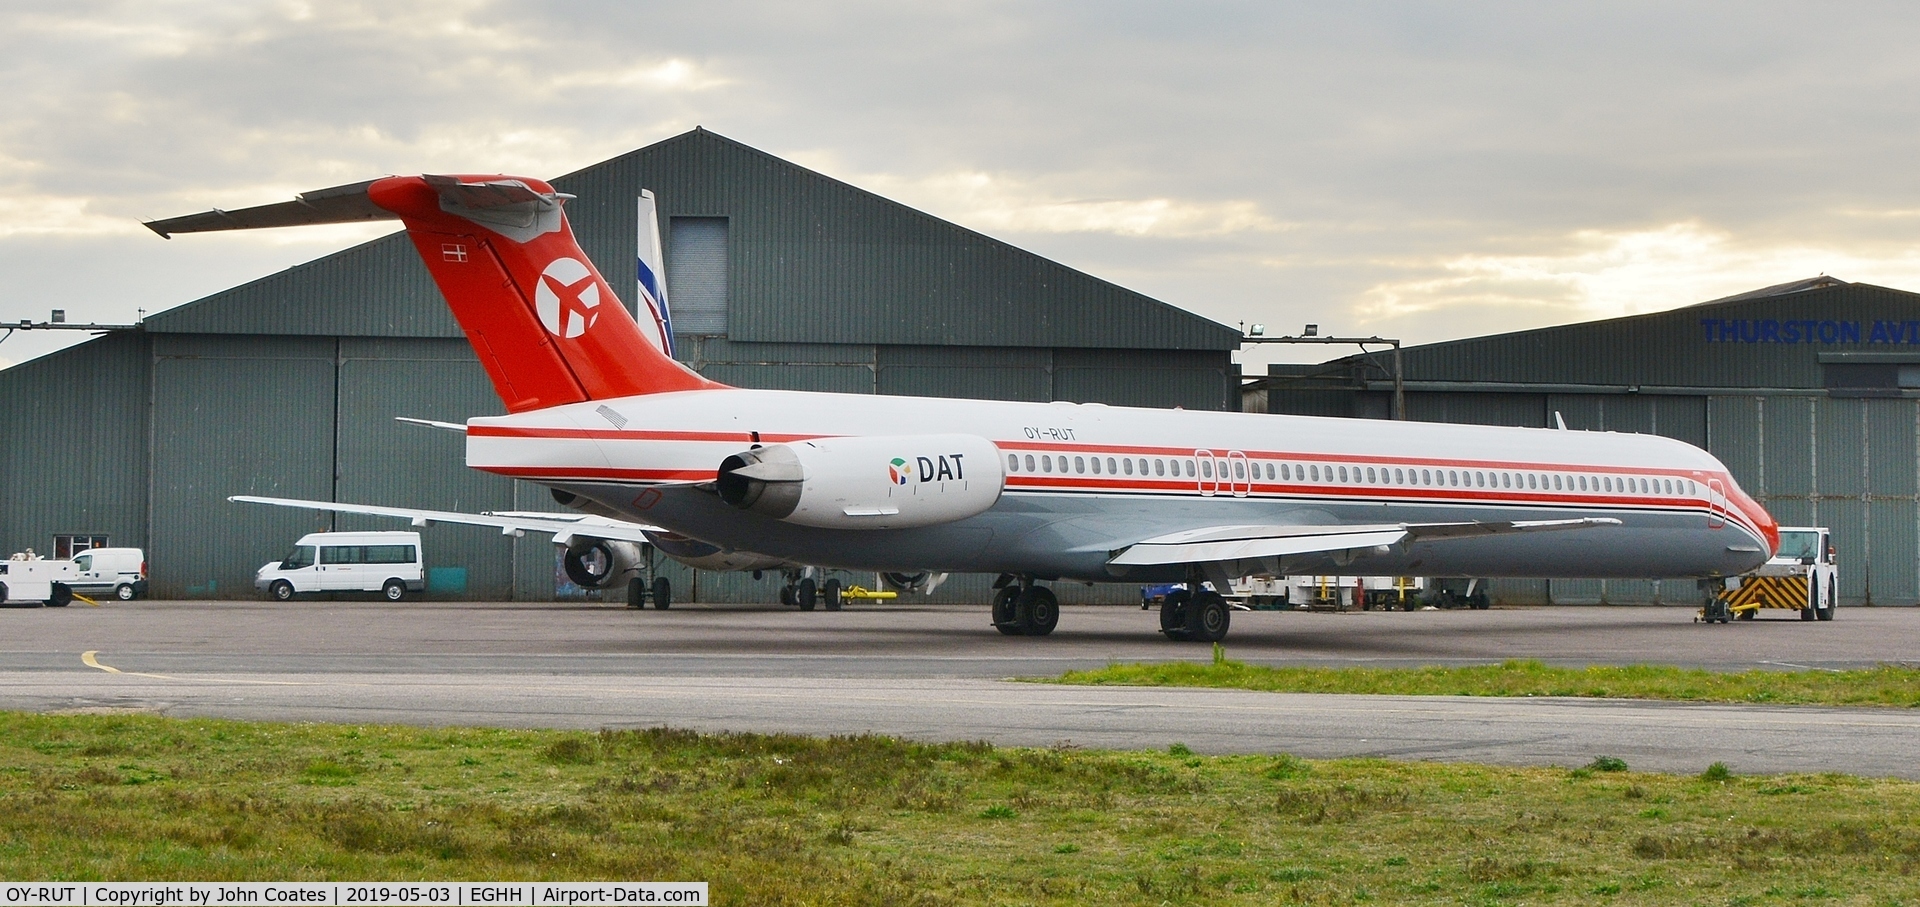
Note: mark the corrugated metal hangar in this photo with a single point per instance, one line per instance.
(779, 278)
(1809, 392)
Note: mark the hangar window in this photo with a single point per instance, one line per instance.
(697, 274)
(66, 546)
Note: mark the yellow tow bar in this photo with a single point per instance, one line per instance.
(860, 592)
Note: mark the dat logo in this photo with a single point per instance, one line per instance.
(926, 469)
(567, 299)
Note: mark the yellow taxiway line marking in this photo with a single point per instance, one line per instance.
(89, 659)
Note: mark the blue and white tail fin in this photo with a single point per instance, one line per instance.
(653, 279)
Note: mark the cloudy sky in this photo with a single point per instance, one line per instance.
(1419, 170)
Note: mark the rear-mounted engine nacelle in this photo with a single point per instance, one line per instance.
(599, 563)
(885, 482)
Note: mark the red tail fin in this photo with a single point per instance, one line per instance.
(545, 324)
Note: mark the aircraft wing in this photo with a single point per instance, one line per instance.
(563, 526)
(1217, 544)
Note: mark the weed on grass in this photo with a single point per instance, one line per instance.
(1887, 685)
(776, 819)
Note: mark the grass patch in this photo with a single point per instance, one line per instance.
(772, 819)
(1887, 685)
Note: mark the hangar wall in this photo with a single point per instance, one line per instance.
(288, 385)
(1798, 389)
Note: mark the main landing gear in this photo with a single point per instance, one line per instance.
(1201, 616)
(1025, 609)
(805, 592)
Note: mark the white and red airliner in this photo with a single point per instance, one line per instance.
(600, 412)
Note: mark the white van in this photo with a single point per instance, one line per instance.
(122, 571)
(385, 562)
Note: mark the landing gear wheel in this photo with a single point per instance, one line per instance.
(786, 596)
(1719, 612)
(281, 590)
(1173, 613)
(806, 593)
(1479, 602)
(636, 593)
(123, 592)
(1037, 611)
(1005, 618)
(1208, 617)
(62, 596)
(393, 590)
(662, 593)
(830, 594)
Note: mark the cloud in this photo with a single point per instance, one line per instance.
(1606, 274)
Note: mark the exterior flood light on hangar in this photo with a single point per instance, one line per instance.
(780, 278)
(1808, 391)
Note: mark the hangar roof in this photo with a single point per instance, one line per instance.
(1775, 337)
(813, 260)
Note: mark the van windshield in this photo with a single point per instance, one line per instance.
(1799, 545)
(301, 556)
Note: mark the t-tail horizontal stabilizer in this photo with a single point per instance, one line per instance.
(542, 320)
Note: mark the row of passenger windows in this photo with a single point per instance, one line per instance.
(1349, 475)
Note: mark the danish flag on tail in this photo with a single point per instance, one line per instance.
(545, 324)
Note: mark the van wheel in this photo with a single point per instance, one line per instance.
(281, 590)
(394, 590)
(62, 596)
(123, 592)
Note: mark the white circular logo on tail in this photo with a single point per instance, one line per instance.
(567, 299)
